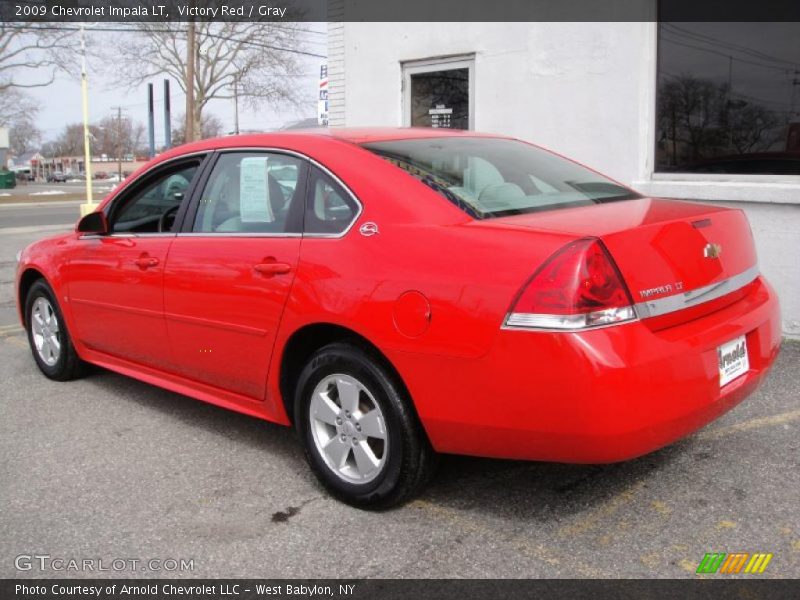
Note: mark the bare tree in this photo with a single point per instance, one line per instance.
(210, 126)
(70, 141)
(28, 48)
(260, 57)
(15, 105)
(30, 56)
(753, 127)
(23, 135)
(699, 118)
(118, 137)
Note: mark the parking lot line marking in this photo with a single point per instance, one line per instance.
(14, 341)
(756, 423)
(519, 542)
(599, 515)
(11, 327)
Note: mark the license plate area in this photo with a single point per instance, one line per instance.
(733, 360)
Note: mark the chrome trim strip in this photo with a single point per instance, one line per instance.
(578, 322)
(676, 302)
(642, 310)
(237, 234)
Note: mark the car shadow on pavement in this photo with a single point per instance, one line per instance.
(235, 426)
(540, 491)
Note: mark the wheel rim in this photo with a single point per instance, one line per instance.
(45, 330)
(348, 428)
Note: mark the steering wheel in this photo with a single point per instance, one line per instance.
(162, 220)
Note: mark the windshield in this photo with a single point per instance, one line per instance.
(491, 177)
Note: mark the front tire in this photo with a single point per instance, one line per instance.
(361, 436)
(48, 337)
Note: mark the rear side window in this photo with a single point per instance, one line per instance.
(330, 208)
(491, 177)
(252, 192)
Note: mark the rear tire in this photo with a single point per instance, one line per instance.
(361, 435)
(48, 336)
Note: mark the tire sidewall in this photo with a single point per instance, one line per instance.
(41, 289)
(347, 360)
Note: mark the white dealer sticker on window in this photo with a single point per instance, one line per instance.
(733, 361)
(254, 205)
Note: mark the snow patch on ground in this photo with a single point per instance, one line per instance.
(48, 193)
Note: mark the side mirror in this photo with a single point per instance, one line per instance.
(95, 222)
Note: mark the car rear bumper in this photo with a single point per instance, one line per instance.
(595, 396)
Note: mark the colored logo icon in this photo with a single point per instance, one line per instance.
(738, 562)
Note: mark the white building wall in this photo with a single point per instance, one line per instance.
(586, 90)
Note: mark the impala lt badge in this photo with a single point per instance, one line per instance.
(712, 250)
(368, 229)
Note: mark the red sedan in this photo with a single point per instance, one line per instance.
(398, 293)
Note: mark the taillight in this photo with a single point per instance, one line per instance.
(578, 287)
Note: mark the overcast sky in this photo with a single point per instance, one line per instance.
(61, 101)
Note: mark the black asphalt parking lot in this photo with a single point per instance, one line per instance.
(110, 468)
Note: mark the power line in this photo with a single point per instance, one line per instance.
(172, 31)
(728, 56)
(707, 39)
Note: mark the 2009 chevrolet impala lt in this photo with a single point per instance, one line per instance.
(398, 293)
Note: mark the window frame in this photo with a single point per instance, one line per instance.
(348, 197)
(431, 65)
(187, 225)
(188, 218)
(144, 180)
(678, 184)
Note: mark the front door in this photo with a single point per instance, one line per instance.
(116, 280)
(230, 271)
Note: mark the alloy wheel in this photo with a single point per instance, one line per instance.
(348, 428)
(45, 329)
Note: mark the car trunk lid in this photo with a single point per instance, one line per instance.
(663, 248)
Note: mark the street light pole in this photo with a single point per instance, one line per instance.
(89, 206)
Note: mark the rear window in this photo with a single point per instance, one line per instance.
(491, 177)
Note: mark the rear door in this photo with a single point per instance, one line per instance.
(231, 268)
(115, 280)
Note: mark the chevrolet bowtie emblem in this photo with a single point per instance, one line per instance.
(712, 250)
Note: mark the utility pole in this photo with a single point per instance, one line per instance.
(190, 58)
(118, 144)
(236, 104)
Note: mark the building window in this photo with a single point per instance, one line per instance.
(439, 93)
(728, 98)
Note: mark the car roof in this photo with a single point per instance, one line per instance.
(355, 135)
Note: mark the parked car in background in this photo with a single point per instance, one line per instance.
(393, 294)
(56, 177)
(24, 174)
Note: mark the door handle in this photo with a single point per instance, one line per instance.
(145, 262)
(273, 268)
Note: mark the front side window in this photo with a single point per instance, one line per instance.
(252, 192)
(728, 98)
(153, 208)
(490, 177)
